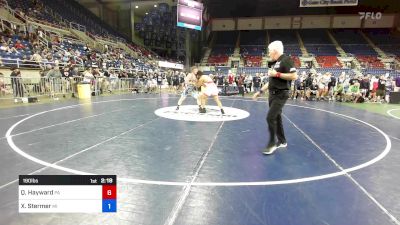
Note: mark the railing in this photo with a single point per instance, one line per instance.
(11, 25)
(31, 19)
(18, 88)
(77, 27)
(19, 63)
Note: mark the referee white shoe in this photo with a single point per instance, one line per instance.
(269, 150)
(281, 145)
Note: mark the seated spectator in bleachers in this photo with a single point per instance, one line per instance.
(3, 40)
(36, 57)
(18, 45)
(4, 48)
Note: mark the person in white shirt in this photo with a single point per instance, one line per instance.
(249, 82)
(190, 81)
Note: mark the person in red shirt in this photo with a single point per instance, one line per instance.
(18, 45)
(231, 78)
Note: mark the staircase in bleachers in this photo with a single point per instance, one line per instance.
(385, 40)
(372, 44)
(223, 48)
(353, 42)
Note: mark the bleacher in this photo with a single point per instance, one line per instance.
(296, 61)
(352, 42)
(21, 53)
(385, 40)
(289, 39)
(377, 71)
(334, 71)
(328, 61)
(224, 46)
(74, 12)
(318, 43)
(257, 38)
(370, 61)
(31, 10)
(252, 70)
(252, 60)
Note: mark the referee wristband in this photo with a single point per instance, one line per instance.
(278, 74)
(261, 91)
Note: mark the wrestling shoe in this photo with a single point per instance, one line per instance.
(222, 112)
(203, 110)
(177, 108)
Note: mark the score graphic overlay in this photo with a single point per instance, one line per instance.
(67, 194)
(190, 14)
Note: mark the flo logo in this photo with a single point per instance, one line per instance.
(191, 113)
(370, 15)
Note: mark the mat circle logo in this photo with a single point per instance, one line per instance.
(191, 113)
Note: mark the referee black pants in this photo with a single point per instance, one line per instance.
(277, 100)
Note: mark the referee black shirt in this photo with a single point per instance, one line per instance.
(284, 64)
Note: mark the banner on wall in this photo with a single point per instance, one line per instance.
(327, 3)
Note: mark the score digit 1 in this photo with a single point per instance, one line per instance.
(109, 198)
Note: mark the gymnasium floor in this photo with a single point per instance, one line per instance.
(341, 165)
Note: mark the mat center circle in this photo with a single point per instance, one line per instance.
(191, 113)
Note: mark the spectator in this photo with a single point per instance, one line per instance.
(5, 49)
(397, 84)
(257, 82)
(249, 82)
(364, 86)
(380, 91)
(3, 88)
(231, 78)
(312, 91)
(241, 84)
(16, 83)
(354, 93)
(373, 86)
(389, 87)
(19, 46)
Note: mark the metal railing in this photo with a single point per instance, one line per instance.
(21, 63)
(11, 25)
(22, 87)
(77, 26)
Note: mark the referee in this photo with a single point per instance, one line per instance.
(280, 76)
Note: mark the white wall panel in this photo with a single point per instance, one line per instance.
(223, 24)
